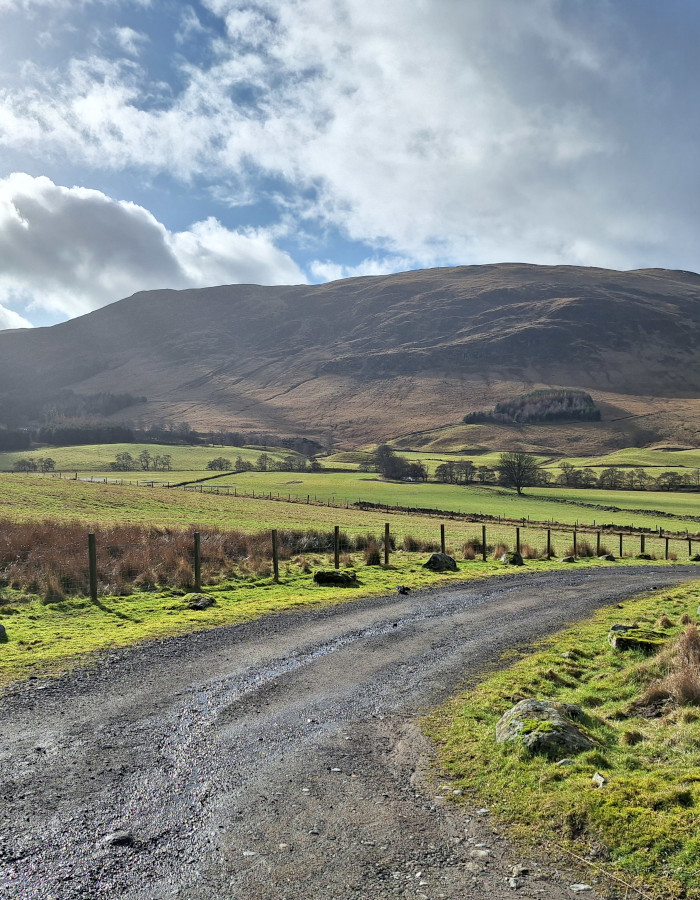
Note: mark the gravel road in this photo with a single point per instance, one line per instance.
(278, 759)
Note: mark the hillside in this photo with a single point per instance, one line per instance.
(370, 358)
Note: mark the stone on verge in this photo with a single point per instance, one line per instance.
(630, 637)
(199, 601)
(440, 562)
(3, 633)
(335, 577)
(568, 559)
(512, 558)
(607, 557)
(542, 727)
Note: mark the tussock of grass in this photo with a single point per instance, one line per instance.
(642, 825)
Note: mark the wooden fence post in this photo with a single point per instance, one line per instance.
(197, 562)
(92, 560)
(336, 545)
(386, 544)
(597, 543)
(442, 537)
(620, 553)
(275, 557)
(517, 539)
(666, 550)
(549, 543)
(575, 547)
(690, 547)
(483, 542)
(641, 543)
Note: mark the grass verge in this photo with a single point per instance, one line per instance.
(48, 633)
(46, 636)
(641, 826)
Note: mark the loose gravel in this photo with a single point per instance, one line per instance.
(279, 759)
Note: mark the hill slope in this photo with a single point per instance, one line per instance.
(369, 358)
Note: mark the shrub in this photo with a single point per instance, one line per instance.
(412, 544)
(372, 555)
(583, 548)
(499, 550)
(529, 552)
(468, 551)
(687, 648)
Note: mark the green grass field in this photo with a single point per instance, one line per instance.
(95, 458)
(642, 824)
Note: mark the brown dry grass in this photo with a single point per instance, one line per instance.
(51, 559)
(682, 683)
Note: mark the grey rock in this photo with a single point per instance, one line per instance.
(568, 559)
(607, 557)
(512, 558)
(3, 633)
(631, 637)
(335, 577)
(542, 727)
(199, 601)
(118, 839)
(599, 780)
(440, 562)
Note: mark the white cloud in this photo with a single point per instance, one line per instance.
(71, 250)
(436, 132)
(10, 319)
(130, 40)
(327, 270)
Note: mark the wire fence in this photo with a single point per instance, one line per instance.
(55, 560)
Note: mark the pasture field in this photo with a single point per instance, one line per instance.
(652, 461)
(640, 824)
(95, 458)
(539, 504)
(640, 457)
(32, 497)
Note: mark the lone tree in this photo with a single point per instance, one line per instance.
(518, 470)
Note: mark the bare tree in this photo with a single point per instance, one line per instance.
(518, 470)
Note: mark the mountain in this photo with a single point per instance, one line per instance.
(370, 358)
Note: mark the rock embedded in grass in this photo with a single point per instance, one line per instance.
(512, 558)
(199, 601)
(3, 633)
(542, 727)
(335, 577)
(441, 562)
(630, 637)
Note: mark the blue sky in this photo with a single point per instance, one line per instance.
(154, 143)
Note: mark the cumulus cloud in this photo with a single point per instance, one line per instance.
(10, 319)
(71, 250)
(438, 132)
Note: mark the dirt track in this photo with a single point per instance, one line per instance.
(278, 759)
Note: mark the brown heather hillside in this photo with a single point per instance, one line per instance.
(370, 358)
